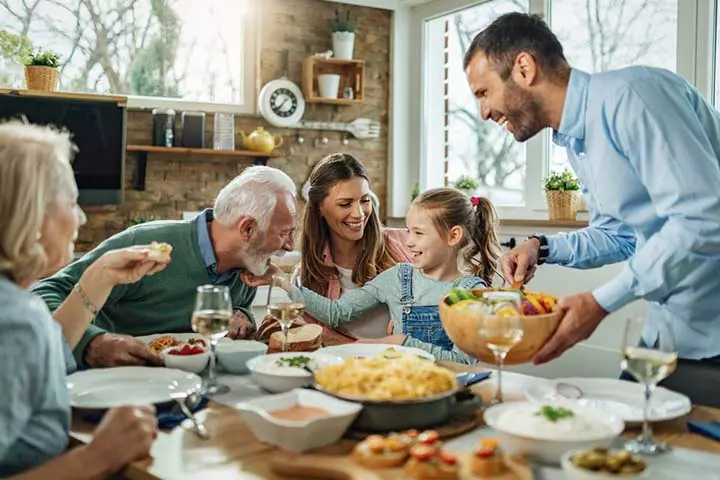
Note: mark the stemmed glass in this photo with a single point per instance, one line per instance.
(285, 313)
(501, 330)
(649, 365)
(211, 318)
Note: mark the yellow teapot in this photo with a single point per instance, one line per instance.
(261, 140)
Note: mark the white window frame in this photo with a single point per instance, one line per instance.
(250, 79)
(409, 109)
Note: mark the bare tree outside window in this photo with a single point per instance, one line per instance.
(153, 48)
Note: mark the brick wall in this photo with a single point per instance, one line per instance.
(191, 183)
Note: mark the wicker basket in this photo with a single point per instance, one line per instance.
(44, 79)
(562, 205)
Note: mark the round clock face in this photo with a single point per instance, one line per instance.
(281, 103)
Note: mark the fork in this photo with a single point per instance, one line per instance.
(364, 128)
(199, 426)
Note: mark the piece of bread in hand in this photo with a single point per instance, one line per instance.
(306, 338)
(270, 325)
(159, 252)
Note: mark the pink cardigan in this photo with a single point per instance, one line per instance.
(395, 244)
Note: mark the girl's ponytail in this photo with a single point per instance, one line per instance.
(482, 257)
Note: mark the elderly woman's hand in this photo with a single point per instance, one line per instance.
(125, 265)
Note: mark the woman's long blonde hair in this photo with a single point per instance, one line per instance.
(373, 256)
(33, 167)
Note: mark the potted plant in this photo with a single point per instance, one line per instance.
(14, 49)
(467, 184)
(41, 70)
(562, 192)
(343, 36)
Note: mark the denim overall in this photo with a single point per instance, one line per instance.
(423, 321)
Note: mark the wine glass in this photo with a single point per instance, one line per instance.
(501, 330)
(211, 318)
(649, 365)
(285, 313)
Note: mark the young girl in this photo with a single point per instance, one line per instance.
(446, 228)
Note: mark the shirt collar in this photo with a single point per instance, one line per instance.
(203, 236)
(572, 123)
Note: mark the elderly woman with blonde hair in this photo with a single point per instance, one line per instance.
(40, 219)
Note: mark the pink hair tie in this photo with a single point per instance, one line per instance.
(475, 201)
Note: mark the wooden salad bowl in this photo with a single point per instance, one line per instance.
(462, 324)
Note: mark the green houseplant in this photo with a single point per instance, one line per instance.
(562, 193)
(41, 70)
(343, 35)
(467, 184)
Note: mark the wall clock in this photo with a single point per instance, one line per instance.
(281, 103)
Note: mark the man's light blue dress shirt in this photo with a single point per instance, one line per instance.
(645, 145)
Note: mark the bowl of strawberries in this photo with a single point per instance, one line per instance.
(191, 356)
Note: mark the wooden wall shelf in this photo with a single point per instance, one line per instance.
(352, 75)
(120, 100)
(144, 150)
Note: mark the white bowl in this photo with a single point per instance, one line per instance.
(572, 472)
(233, 356)
(304, 435)
(190, 363)
(538, 443)
(274, 378)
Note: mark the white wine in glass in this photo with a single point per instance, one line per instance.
(501, 330)
(648, 365)
(211, 318)
(285, 313)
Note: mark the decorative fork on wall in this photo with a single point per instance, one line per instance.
(361, 128)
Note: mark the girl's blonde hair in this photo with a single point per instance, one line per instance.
(449, 207)
(34, 164)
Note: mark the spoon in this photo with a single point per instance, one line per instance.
(568, 390)
(186, 404)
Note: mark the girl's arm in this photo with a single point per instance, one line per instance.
(345, 309)
(454, 355)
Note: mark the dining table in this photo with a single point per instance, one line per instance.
(232, 452)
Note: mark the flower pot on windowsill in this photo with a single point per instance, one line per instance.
(562, 205)
(44, 79)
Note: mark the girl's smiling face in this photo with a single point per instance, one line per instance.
(428, 247)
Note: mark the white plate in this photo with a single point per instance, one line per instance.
(183, 337)
(619, 397)
(350, 350)
(113, 387)
(274, 378)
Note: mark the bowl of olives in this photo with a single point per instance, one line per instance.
(601, 463)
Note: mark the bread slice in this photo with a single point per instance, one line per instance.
(269, 325)
(306, 338)
(159, 252)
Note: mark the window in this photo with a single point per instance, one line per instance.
(610, 34)
(159, 52)
(470, 146)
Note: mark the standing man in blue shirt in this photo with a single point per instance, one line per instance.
(645, 144)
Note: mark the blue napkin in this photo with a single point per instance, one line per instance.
(706, 429)
(168, 414)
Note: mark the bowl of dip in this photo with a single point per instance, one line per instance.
(281, 372)
(546, 432)
(299, 420)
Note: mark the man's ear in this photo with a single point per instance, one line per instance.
(246, 227)
(455, 235)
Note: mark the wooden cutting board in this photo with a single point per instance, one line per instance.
(341, 467)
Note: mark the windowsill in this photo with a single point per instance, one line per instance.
(527, 222)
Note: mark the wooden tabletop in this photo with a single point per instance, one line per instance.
(232, 452)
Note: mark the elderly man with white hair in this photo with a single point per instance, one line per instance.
(253, 218)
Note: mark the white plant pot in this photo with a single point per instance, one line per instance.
(343, 44)
(329, 85)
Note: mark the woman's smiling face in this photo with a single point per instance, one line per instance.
(347, 208)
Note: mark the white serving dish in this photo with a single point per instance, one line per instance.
(100, 388)
(550, 450)
(190, 363)
(271, 377)
(571, 472)
(299, 436)
(356, 350)
(233, 356)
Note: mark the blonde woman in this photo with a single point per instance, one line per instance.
(40, 219)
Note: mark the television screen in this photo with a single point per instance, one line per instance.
(98, 130)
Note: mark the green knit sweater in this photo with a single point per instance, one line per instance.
(161, 303)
